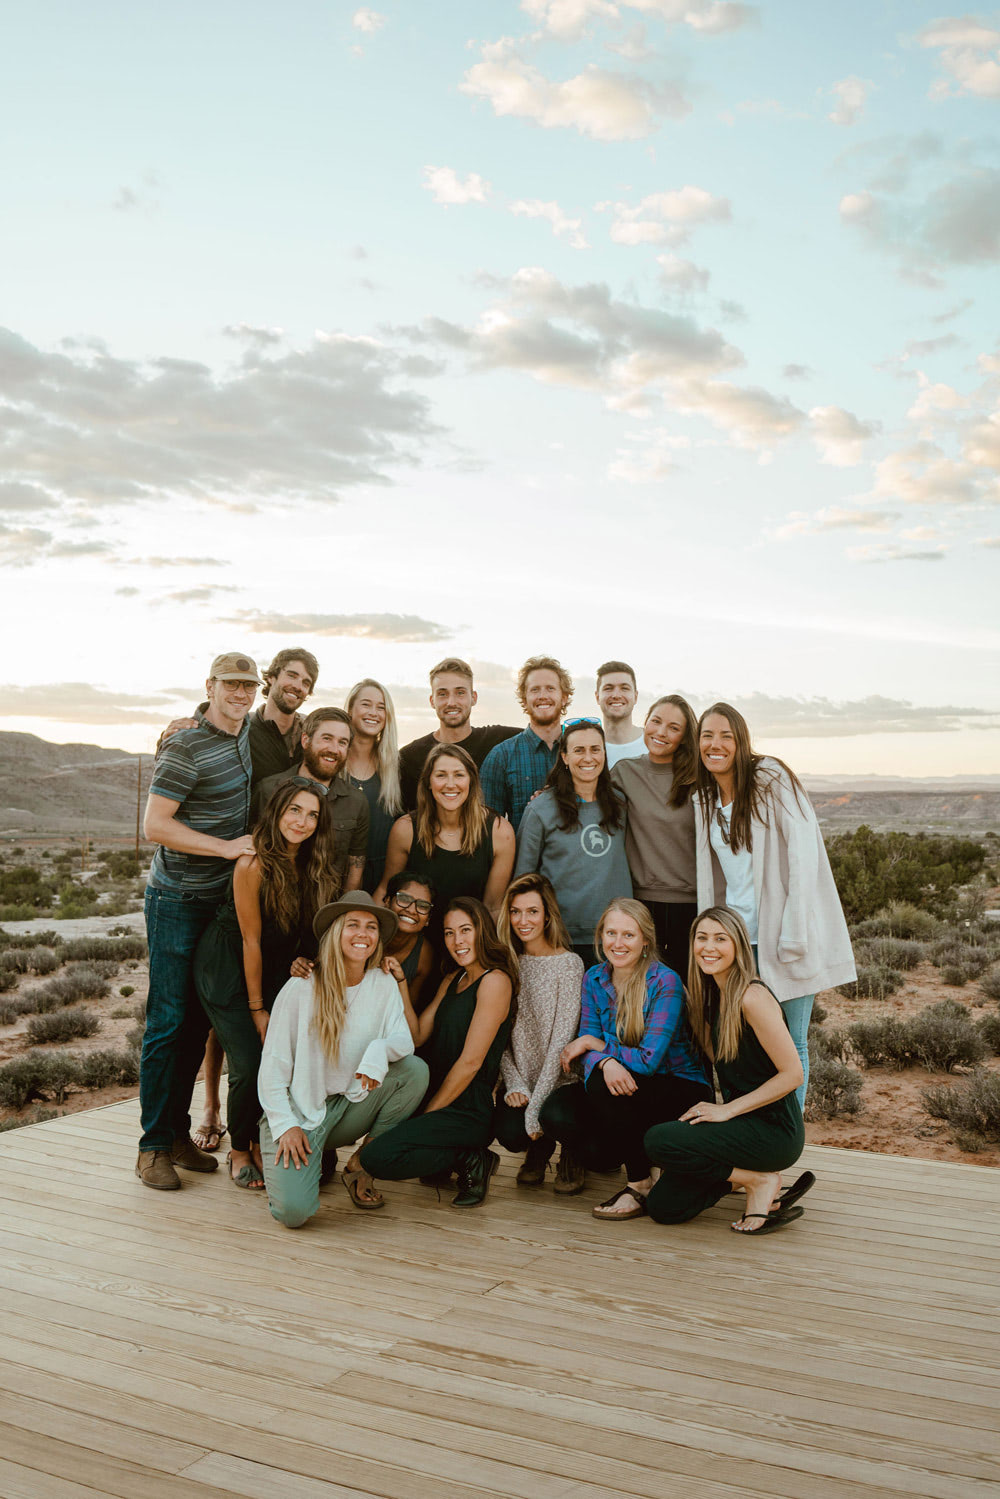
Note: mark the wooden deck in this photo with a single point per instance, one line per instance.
(183, 1346)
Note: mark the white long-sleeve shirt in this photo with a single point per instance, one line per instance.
(297, 1078)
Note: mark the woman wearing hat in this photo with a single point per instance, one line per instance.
(338, 1063)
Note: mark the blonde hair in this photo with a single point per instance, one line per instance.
(630, 1016)
(474, 815)
(554, 928)
(542, 663)
(330, 987)
(702, 992)
(386, 747)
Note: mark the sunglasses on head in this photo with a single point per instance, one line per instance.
(308, 785)
(579, 723)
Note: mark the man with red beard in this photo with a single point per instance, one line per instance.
(514, 770)
(326, 739)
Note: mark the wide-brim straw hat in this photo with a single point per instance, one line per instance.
(357, 900)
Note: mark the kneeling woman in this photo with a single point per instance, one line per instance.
(338, 1061)
(639, 1063)
(463, 1033)
(757, 1131)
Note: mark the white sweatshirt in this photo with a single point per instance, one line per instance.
(296, 1076)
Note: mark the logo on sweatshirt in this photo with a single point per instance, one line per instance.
(595, 841)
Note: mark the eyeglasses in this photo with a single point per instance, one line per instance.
(576, 723)
(244, 689)
(307, 784)
(405, 901)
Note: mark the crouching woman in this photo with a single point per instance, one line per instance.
(757, 1131)
(338, 1061)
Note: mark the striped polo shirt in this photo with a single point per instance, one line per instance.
(206, 771)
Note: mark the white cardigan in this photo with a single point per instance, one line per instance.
(296, 1077)
(803, 944)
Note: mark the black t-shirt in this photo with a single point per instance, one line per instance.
(412, 756)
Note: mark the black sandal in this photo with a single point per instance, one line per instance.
(639, 1211)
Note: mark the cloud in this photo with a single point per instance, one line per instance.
(955, 223)
(681, 277)
(367, 20)
(401, 628)
(80, 702)
(797, 372)
(142, 199)
(970, 56)
(570, 229)
(839, 435)
(20, 546)
(202, 595)
(176, 562)
(819, 717)
(91, 430)
(751, 416)
(252, 334)
(569, 20)
(605, 105)
(651, 460)
(665, 218)
(23, 498)
(445, 186)
(894, 552)
(836, 518)
(851, 94)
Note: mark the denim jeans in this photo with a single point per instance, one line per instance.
(176, 1024)
(798, 1013)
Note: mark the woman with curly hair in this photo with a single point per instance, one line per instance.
(574, 833)
(246, 954)
(659, 788)
(453, 839)
(373, 767)
(760, 852)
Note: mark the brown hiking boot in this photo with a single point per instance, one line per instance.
(570, 1174)
(155, 1169)
(536, 1158)
(185, 1153)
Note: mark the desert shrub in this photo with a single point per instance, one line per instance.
(824, 1044)
(121, 864)
(29, 960)
(119, 948)
(889, 952)
(8, 1013)
(881, 1042)
(819, 1014)
(17, 912)
(943, 1037)
(64, 1025)
(133, 1039)
(989, 982)
(108, 1069)
(971, 1108)
(36, 1075)
(127, 989)
(105, 968)
(873, 870)
(900, 919)
(7, 980)
(834, 1088)
(37, 1116)
(973, 958)
(873, 982)
(67, 989)
(989, 1030)
(25, 886)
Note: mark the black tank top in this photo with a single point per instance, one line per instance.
(451, 873)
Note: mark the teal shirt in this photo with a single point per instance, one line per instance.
(586, 864)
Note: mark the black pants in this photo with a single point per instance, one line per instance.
(425, 1144)
(696, 1160)
(672, 922)
(609, 1128)
(509, 1131)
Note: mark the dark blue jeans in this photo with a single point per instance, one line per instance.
(176, 1024)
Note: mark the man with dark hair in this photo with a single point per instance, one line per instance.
(275, 727)
(453, 698)
(197, 813)
(326, 739)
(616, 697)
(514, 770)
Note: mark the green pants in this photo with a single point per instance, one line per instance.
(293, 1193)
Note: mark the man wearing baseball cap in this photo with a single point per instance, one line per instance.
(197, 814)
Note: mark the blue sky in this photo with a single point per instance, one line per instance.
(599, 327)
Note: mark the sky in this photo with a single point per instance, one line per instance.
(655, 330)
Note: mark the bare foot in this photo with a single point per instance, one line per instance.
(624, 1204)
(239, 1161)
(208, 1135)
(761, 1189)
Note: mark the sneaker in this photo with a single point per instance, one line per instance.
(536, 1159)
(570, 1174)
(185, 1153)
(154, 1168)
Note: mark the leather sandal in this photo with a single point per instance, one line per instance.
(639, 1211)
(356, 1182)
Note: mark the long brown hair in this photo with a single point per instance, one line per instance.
(753, 783)
(685, 760)
(630, 1016)
(554, 928)
(704, 995)
(490, 951)
(292, 890)
(474, 813)
(329, 982)
(560, 782)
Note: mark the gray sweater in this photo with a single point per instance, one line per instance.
(586, 865)
(660, 840)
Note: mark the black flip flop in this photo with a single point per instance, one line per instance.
(770, 1224)
(792, 1194)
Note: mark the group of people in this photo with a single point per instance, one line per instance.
(549, 938)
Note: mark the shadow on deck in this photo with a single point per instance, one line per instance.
(183, 1346)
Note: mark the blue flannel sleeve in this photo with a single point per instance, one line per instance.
(175, 774)
(493, 778)
(592, 1022)
(663, 1009)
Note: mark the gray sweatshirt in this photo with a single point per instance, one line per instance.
(586, 865)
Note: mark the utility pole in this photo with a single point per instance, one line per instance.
(138, 805)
